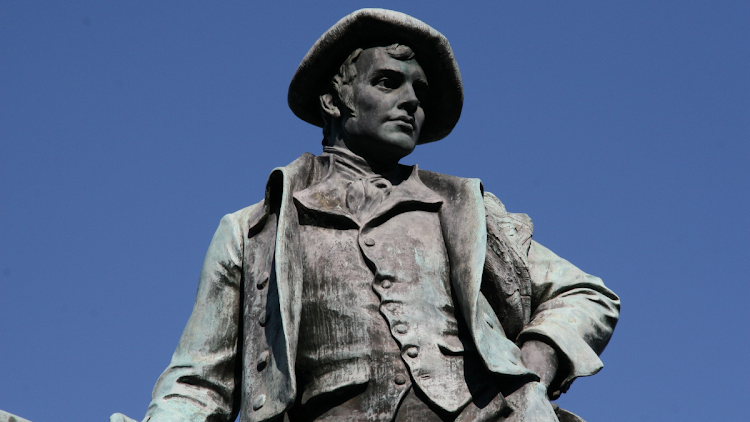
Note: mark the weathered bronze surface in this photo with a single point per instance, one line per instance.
(360, 289)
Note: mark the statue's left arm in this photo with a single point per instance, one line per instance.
(570, 310)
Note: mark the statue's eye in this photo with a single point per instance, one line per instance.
(387, 82)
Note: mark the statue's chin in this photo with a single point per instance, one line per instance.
(383, 149)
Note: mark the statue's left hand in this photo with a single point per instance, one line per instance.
(530, 404)
(119, 417)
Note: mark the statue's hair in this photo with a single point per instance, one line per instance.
(341, 84)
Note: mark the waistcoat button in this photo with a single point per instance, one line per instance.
(412, 352)
(259, 402)
(369, 242)
(400, 379)
(401, 329)
(386, 284)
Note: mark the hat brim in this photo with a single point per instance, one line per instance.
(366, 28)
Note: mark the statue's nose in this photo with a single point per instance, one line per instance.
(409, 100)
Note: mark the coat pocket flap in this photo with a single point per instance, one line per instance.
(350, 374)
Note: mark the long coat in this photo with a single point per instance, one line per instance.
(238, 349)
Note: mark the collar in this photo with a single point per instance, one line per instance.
(328, 196)
(351, 166)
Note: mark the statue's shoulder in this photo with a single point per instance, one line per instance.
(515, 225)
(454, 189)
(249, 217)
(439, 181)
(253, 215)
(493, 204)
(496, 208)
(303, 164)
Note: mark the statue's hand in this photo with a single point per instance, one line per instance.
(530, 404)
(119, 417)
(540, 358)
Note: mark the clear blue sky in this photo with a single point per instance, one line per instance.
(128, 129)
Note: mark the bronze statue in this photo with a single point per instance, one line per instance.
(360, 289)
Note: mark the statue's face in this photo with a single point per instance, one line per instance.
(387, 115)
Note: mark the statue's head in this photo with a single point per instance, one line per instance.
(381, 80)
(376, 102)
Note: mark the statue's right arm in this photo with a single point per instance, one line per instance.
(201, 382)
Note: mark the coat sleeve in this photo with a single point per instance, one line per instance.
(199, 383)
(572, 311)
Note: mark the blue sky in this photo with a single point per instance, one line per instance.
(128, 129)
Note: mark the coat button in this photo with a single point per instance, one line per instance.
(263, 360)
(400, 379)
(263, 320)
(259, 402)
(391, 307)
(401, 329)
(263, 281)
(386, 284)
(412, 352)
(369, 241)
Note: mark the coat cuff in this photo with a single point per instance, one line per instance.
(576, 357)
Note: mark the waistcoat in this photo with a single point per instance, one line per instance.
(272, 281)
(376, 304)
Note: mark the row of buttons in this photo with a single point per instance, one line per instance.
(260, 399)
(411, 351)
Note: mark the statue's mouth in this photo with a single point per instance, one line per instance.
(405, 121)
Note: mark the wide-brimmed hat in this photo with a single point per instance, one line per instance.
(379, 27)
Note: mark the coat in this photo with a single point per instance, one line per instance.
(238, 349)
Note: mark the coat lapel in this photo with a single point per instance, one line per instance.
(327, 198)
(283, 182)
(410, 195)
(464, 224)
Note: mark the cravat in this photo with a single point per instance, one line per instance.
(364, 195)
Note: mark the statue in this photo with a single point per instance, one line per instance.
(360, 289)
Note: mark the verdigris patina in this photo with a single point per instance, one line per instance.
(360, 289)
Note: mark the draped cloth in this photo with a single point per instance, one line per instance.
(365, 189)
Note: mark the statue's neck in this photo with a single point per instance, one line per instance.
(379, 165)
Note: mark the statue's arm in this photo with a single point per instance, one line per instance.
(573, 312)
(199, 383)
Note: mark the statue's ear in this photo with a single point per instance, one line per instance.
(328, 106)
